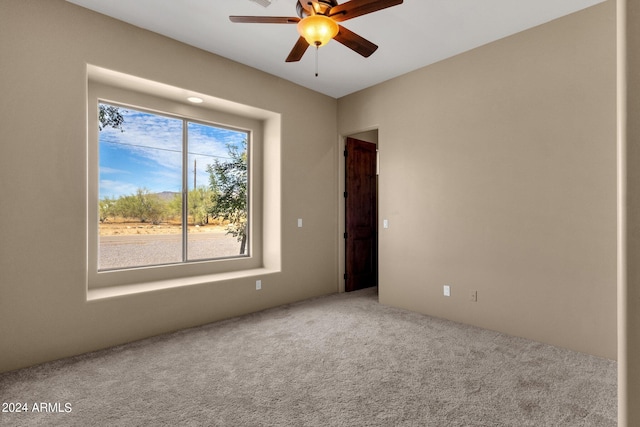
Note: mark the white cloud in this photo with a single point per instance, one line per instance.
(109, 188)
(149, 150)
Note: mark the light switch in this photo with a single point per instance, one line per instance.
(299, 222)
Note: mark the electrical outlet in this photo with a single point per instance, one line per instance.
(473, 296)
(447, 290)
(258, 285)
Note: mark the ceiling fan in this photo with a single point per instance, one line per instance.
(317, 23)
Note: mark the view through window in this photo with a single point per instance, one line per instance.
(171, 190)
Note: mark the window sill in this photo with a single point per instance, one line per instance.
(139, 288)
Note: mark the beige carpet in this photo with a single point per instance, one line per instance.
(342, 360)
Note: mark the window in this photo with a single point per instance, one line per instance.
(166, 170)
(171, 190)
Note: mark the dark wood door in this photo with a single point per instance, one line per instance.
(361, 263)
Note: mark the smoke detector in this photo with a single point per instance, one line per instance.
(264, 3)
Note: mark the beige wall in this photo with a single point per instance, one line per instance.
(369, 136)
(498, 175)
(629, 138)
(45, 47)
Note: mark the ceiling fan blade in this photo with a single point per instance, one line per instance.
(265, 19)
(298, 50)
(355, 42)
(355, 8)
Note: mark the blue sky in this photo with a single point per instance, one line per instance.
(148, 154)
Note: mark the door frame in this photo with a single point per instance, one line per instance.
(341, 202)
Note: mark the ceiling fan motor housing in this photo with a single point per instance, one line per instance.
(303, 7)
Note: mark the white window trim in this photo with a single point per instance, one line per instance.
(264, 183)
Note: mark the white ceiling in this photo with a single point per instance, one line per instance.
(411, 35)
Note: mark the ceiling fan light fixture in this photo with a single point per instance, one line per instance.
(318, 30)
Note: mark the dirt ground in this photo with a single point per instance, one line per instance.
(122, 228)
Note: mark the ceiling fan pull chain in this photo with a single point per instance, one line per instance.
(316, 61)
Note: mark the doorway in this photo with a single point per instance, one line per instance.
(361, 214)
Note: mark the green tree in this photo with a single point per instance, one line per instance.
(201, 203)
(143, 205)
(107, 208)
(228, 182)
(109, 116)
(174, 206)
